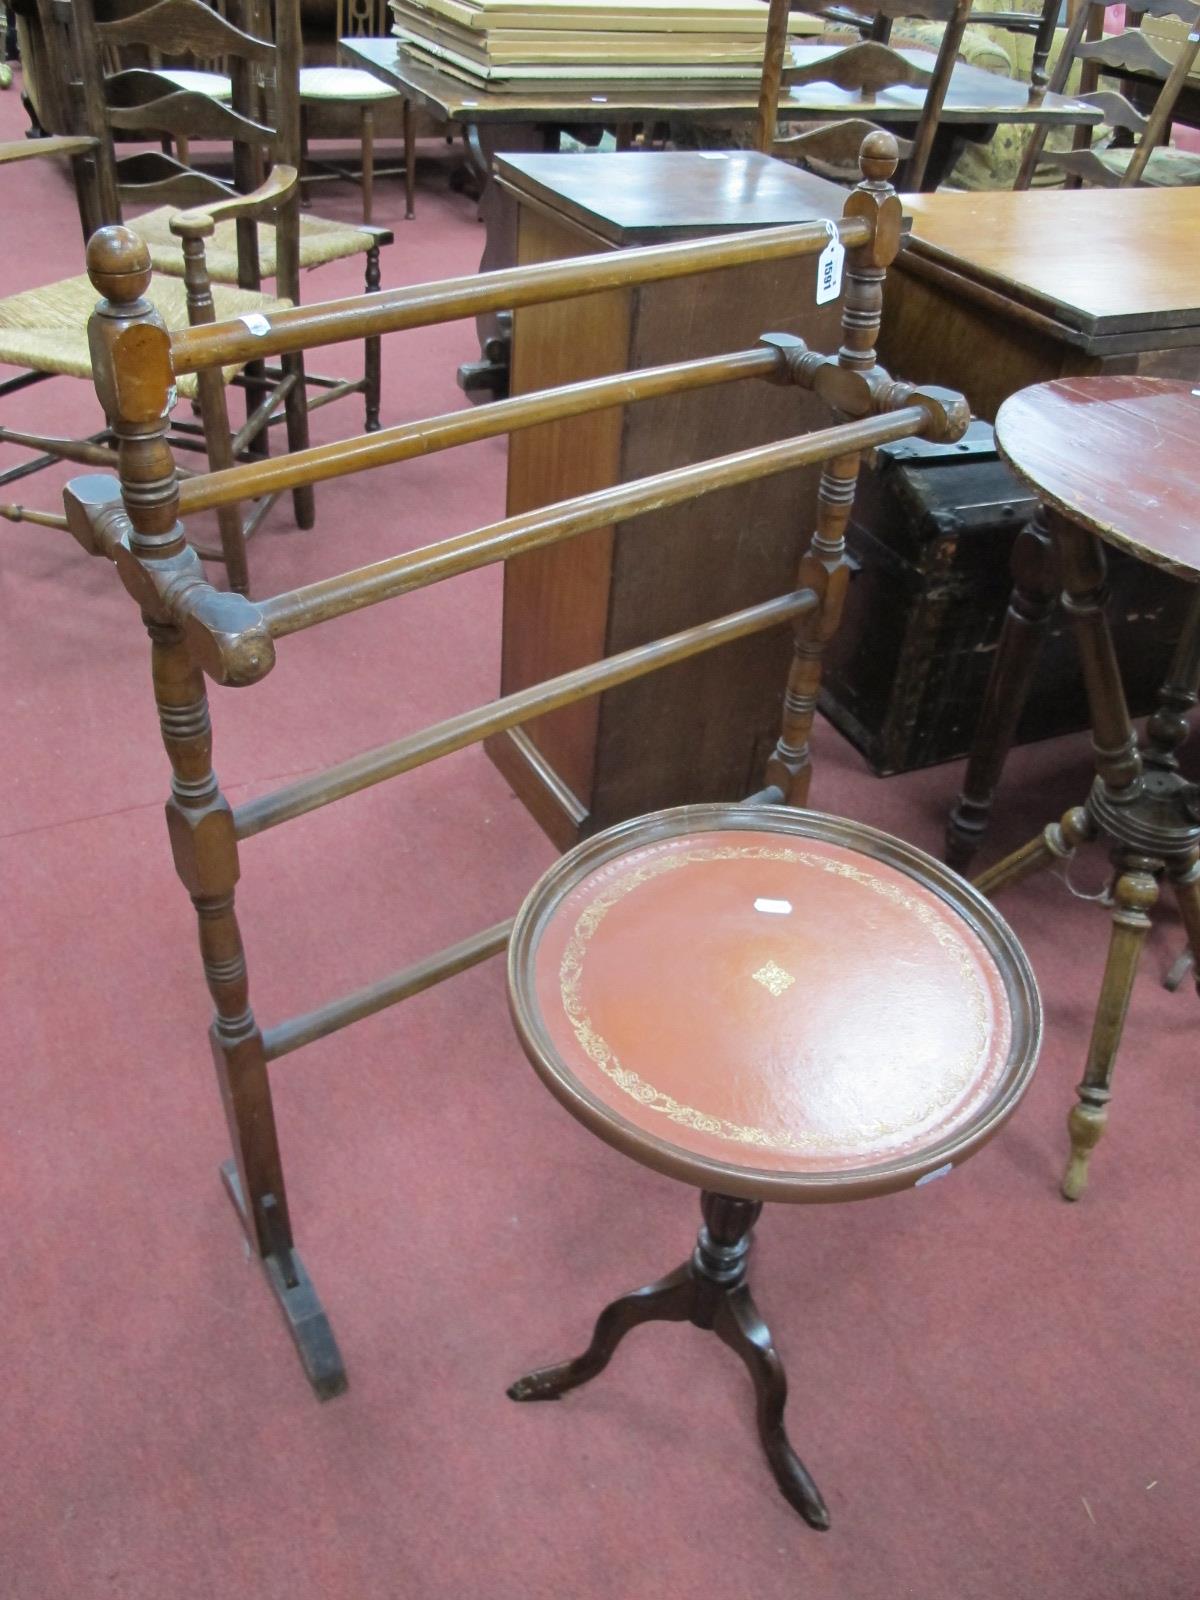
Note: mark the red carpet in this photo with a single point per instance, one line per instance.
(998, 1394)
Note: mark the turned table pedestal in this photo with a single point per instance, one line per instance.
(1114, 462)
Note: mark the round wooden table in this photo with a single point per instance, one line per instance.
(768, 1004)
(1114, 460)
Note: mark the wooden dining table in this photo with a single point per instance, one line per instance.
(997, 291)
(977, 102)
(522, 120)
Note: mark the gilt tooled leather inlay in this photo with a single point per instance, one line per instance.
(790, 1003)
(773, 978)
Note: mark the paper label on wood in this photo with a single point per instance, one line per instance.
(829, 267)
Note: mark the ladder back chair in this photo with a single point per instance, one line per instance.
(46, 329)
(868, 66)
(1038, 23)
(327, 93)
(960, 1061)
(1149, 159)
(262, 123)
(203, 74)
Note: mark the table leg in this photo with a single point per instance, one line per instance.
(1034, 595)
(410, 161)
(1167, 729)
(488, 377)
(738, 1324)
(1057, 842)
(670, 1299)
(1186, 882)
(1085, 595)
(947, 146)
(1135, 893)
(1166, 732)
(1042, 45)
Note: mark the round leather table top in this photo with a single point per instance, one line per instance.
(773, 1003)
(1117, 454)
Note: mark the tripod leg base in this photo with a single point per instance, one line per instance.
(710, 1292)
(300, 1304)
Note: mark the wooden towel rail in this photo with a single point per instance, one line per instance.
(196, 630)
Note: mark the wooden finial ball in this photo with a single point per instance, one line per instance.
(879, 156)
(118, 264)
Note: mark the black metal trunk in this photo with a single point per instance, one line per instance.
(930, 541)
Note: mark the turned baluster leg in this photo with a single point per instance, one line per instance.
(1186, 883)
(1085, 596)
(1058, 80)
(823, 568)
(410, 162)
(1042, 45)
(1030, 608)
(1167, 729)
(372, 350)
(1166, 732)
(1114, 743)
(214, 414)
(1134, 895)
(200, 825)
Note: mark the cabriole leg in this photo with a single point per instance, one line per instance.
(668, 1300)
(739, 1325)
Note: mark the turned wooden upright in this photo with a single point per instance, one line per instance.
(132, 359)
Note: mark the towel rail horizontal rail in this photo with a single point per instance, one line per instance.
(363, 451)
(297, 609)
(422, 305)
(384, 992)
(455, 733)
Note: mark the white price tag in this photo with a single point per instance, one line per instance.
(829, 267)
(932, 1177)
